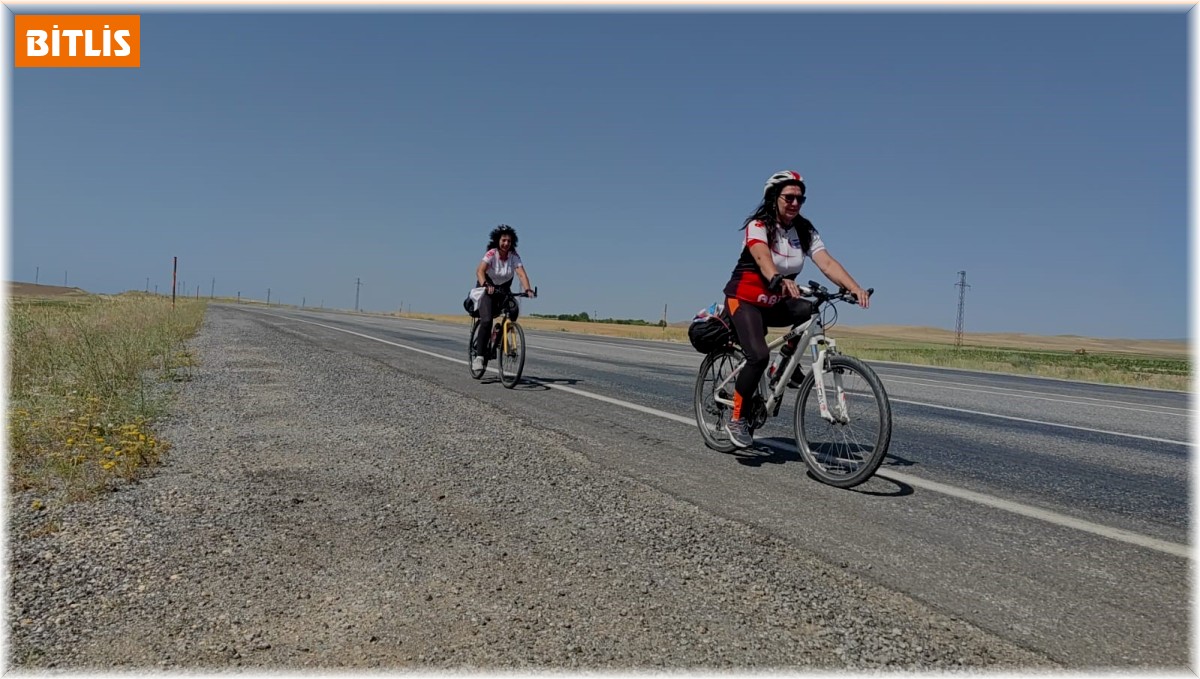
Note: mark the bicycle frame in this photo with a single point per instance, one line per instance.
(811, 334)
(508, 322)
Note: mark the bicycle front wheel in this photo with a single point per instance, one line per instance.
(711, 415)
(848, 447)
(512, 355)
(471, 352)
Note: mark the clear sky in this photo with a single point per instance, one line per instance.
(1044, 153)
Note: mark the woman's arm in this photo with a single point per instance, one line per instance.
(837, 273)
(766, 265)
(481, 277)
(525, 281)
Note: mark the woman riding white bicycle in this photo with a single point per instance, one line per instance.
(495, 274)
(762, 291)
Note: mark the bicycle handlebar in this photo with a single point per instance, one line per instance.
(823, 295)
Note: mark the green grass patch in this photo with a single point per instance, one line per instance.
(87, 383)
(1161, 372)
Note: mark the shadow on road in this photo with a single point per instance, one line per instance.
(777, 450)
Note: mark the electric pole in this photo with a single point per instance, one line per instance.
(213, 288)
(357, 285)
(962, 300)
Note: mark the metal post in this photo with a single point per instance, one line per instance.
(962, 298)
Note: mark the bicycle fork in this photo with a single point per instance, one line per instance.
(821, 347)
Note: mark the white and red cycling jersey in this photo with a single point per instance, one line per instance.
(747, 283)
(500, 269)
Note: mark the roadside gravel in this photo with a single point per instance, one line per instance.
(320, 510)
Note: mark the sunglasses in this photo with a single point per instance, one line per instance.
(790, 198)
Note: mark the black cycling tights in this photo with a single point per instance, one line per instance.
(750, 323)
(487, 308)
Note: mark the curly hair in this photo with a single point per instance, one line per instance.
(501, 230)
(767, 214)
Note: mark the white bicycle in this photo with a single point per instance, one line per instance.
(843, 419)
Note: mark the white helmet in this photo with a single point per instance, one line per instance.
(783, 177)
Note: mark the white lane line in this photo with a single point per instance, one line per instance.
(559, 351)
(1118, 534)
(624, 347)
(1048, 424)
(999, 391)
(1171, 548)
(571, 390)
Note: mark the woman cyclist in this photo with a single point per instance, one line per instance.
(495, 274)
(762, 291)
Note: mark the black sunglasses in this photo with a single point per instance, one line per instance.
(792, 198)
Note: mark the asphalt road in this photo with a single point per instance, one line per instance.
(1054, 514)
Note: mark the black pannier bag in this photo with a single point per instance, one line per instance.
(711, 329)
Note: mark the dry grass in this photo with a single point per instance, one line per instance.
(85, 385)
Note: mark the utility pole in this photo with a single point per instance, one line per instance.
(962, 300)
(64, 279)
(268, 296)
(357, 286)
(213, 288)
(174, 271)
(302, 301)
(147, 284)
(37, 271)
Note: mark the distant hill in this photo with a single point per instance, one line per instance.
(18, 289)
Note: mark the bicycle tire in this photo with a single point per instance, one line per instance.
(831, 450)
(477, 374)
(715, 368)
(512, 358)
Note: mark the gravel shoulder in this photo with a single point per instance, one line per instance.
(320, 510)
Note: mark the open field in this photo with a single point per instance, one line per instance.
(1163, 364)
(1160, 364)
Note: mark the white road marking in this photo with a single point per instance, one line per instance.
(1077, 400)
(1048, 424)
(1120, 535)
(1171, 548)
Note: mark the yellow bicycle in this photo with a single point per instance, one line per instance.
(507, 342)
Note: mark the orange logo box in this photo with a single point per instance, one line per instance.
(78, 40)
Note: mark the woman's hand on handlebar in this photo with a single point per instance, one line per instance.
(790, 289)
(861, 297)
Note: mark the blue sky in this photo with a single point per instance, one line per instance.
(1043, 153)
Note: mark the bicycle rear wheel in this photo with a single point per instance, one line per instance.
(847, 451)
(471, 353)
(512, 355)
(711, 415)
